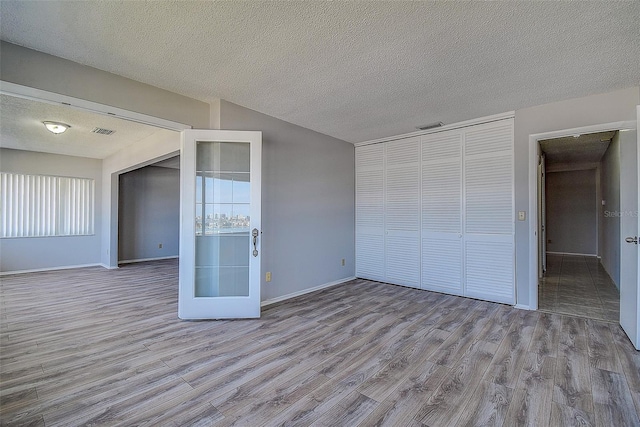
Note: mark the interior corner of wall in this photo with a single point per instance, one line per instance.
(214, 114)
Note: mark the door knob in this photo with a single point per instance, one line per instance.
(254, 233)
(632, 240)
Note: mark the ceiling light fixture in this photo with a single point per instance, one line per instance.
(56, 127)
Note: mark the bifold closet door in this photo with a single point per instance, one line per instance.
(402, 212)
(442, 213)
(370, 259)
(489, 212)
(437, 212)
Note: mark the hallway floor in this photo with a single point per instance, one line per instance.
(578, 286)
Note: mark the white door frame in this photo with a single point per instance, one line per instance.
(533, 192)
(637, 337)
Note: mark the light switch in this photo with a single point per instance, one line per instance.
(522, 215)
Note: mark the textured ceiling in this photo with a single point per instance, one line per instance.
(583, 149)
(353, 70)
(21, 128)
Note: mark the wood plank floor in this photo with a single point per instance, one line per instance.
(104, 347)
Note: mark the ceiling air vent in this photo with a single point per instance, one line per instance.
(430, 126)
(103, 131)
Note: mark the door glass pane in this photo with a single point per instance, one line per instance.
(223, 240)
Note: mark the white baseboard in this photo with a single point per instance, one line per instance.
(38, 270)
(304, 291)
(131, 261)
(522, 307)
(571, 253)
(109, 267)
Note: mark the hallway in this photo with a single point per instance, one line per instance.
(578, 286)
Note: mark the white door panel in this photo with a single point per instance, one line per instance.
(442, 263)
(402, 264)
(370, 256)
(489, 213)
(220, 209)
(370, 212)
(402, 212)
(629, 198)
(489, 272)
(442, 256)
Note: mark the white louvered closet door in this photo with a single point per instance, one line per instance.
(489, 212)
(370, 260)
(402, 212)
(442, 212)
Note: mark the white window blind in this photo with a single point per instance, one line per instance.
(39, 205)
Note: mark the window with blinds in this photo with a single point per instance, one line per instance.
(40, 205)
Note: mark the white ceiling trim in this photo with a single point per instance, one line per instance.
(464, 124)
(33, 94)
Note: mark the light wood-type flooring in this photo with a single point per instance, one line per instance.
(104, 347)
(578, 286)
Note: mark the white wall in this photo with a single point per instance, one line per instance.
(33, 253)
(596, 109)
(572, 212)
(610, 223)
(149, 213)
(308, 203)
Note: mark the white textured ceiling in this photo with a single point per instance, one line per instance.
(353, 70)
(21, 128)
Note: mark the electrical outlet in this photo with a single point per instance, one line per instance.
(268, 276)
(159, 245)
(522, 215)
(343, 262)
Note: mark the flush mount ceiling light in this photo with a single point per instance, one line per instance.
(56, 127)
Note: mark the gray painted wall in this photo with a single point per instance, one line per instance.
(604, 108)
(32, 253)
(308, 203)
(572, 212)
(143, 153)
(149, 213)
(610, 223)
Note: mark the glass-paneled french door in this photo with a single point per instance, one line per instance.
(220, 224)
